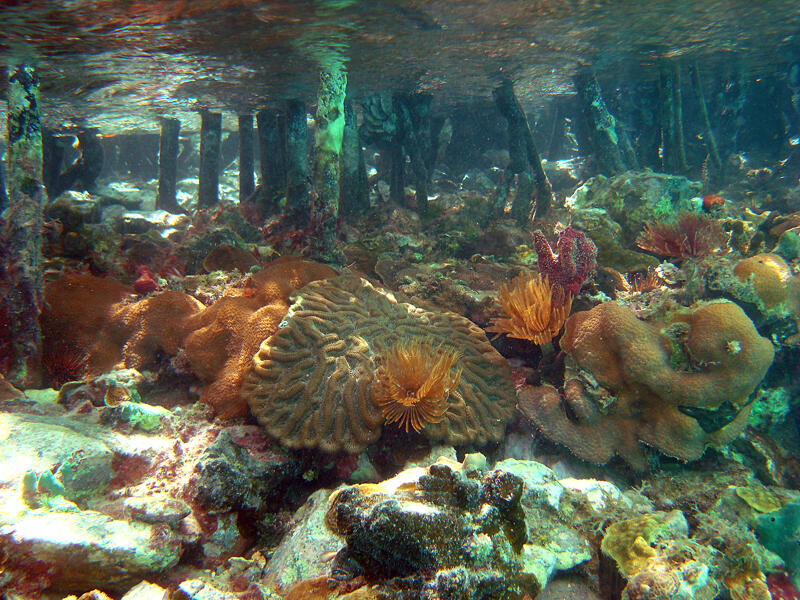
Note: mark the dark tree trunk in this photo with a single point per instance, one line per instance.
(709, 138)
(246, 158)
(210, 139)
(522, 148)
(168, 165)
(84, 171)
(272, 153)
(601, 125)
(397, 182)
(327, 163)
(21, 248)
(298, 173)
(354, 195)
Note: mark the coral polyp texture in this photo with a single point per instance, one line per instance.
(226, 335)
(534, 310)
(689, 235)
(313, 383)
(414, 382)
(677, 385)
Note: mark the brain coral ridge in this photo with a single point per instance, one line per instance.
(313, 382)
(677, 385)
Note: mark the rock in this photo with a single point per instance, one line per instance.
(243, 470)
(146, 591)
(137, 415)
(300, 555)
(83, 463)
(570, 588)
(464, 532)
(94, 595)
(597, 493)
(435, 454)
(157, 509)
(83, 549)
(196, 589)
(541, 485)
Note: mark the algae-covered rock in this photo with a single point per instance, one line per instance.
(463, 529)
(82, 462)
(630, 542)
(541, 485)
(652, 553)
(615, 209)
(243, 470)
(300, 554)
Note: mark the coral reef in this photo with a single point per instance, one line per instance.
(534, 310)
(92, 315)
(313, 385)
(677, 385)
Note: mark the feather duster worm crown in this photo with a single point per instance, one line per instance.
(414, 382)
(531, 309)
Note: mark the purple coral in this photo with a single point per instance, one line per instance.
(575, 261)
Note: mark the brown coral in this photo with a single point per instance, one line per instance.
(78, 306)
(532, 314)
(678, 385)
(313, 381)
(414, 381)
(95, 315)
(224, 337)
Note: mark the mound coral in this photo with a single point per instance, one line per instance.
(413, 385)
(313, 382)
(532, 310)
(677, 385)
(78, 306)
(225, 337)
(689, 235)
(769, 274)
(574, 263)
(96, 317)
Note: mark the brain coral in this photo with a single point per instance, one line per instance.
(678, 385)
(313, 382)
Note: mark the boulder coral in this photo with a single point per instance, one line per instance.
(225, 336)
(97, 317)
(677, 385)
(313, 383)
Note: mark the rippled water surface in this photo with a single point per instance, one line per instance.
(117, 64)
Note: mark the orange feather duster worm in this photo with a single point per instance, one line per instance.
(414, 382)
